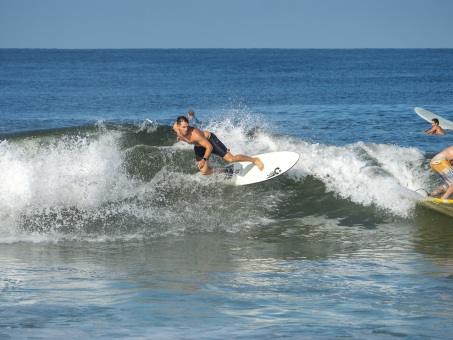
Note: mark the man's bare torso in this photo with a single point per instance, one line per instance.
(193, 136)
(447, 153)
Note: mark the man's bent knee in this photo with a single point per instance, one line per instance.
(229, 157)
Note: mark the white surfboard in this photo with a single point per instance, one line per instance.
(168, 122)
(428, 116)
(275, 164)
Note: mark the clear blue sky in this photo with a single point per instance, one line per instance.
(226, 24)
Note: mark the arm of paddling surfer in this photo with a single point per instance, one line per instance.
(206, 143)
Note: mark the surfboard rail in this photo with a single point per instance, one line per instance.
(440, 200)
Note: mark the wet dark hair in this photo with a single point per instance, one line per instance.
(182, 119)
(435, 120)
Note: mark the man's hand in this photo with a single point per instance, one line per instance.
(201, 164)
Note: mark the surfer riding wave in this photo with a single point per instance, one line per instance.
(205, 143)
(441, 164)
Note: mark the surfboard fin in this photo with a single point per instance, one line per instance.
(226, 172)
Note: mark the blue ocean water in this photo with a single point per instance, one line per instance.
(107, 230)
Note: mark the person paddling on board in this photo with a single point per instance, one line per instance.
(193, 121)
(207, 143)
(436, 129)
(441, 164)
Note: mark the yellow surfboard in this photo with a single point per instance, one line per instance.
(438, 204)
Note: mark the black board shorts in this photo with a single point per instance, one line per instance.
(218, 148)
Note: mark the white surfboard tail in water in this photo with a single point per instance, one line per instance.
(428, 116)
(275, 164)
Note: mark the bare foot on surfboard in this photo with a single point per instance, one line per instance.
(258, 163)
(437, 192)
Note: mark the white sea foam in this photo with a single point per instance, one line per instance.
(73, 172)
(368, 174)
